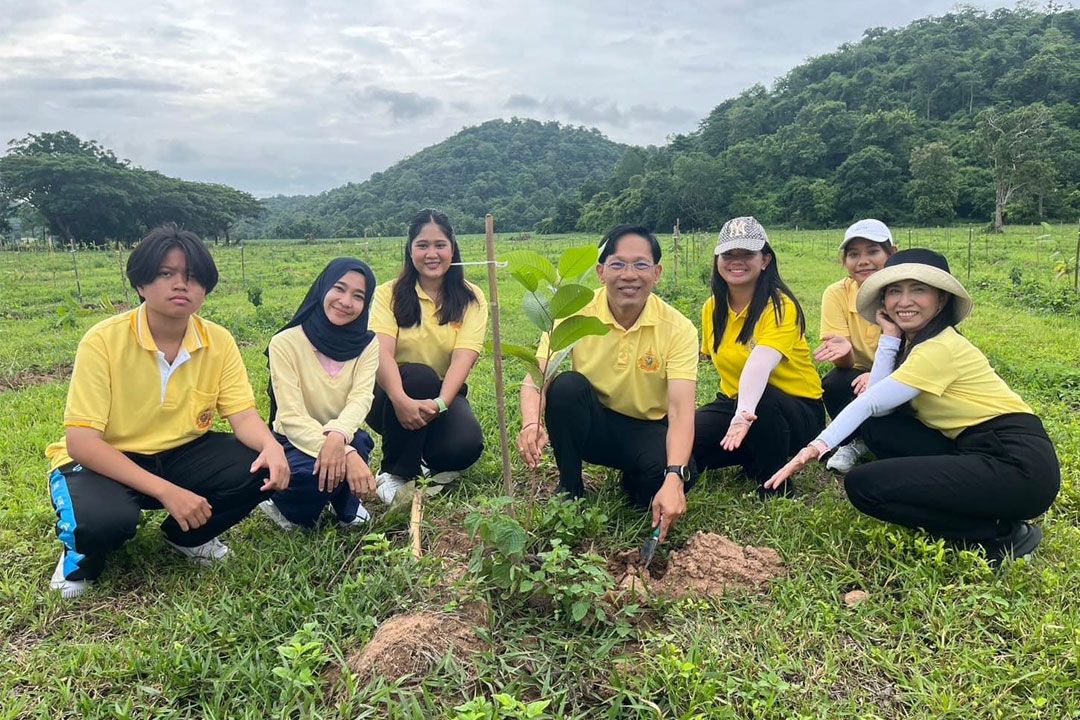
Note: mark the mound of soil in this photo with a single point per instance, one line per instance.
(412, 644)
(709, 565)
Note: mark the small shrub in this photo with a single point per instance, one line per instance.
(254, 295)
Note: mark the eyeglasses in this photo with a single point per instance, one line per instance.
(639, 267)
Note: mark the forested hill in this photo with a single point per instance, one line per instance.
(914, 124)
(515, 169)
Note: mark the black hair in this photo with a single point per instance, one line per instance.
(886, 247)
(456, 294)
(145, 260)
(769, 286)
(943, 320)
(610, 241)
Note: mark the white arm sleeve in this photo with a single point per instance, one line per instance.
(755, 376)
(879, 399)
(884, 358)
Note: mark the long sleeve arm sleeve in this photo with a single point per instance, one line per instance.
(879, 399)
(296, 424)
(884, 358)
(755, 376)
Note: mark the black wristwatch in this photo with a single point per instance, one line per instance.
(682, 471)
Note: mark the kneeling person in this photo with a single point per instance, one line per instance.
(143, 393)
(629, 401)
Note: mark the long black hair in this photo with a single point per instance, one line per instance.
(769, 286)
(941, 321)
(456, 295)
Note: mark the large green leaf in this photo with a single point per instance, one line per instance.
(527, 357)
(569, 299)
(572, 329)
(537, 307)
(527, 277)
(529, 261)
(576, 261)
(554, 362)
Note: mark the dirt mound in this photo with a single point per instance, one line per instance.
(412, 644)
(710, 565)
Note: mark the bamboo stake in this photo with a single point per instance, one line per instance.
(75, 264)
(416, 517)
(1076, 262)
(970, 235)
(496, 342)
(243, 270)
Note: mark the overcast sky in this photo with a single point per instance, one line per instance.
(286, 96)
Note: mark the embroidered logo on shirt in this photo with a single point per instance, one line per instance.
(204, 419)
(455, 325)
(649, 362)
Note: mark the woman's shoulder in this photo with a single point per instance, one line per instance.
(480, 297)
(288, 337)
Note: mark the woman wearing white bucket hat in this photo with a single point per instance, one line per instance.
(973, 463)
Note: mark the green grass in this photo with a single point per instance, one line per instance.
(940, 635)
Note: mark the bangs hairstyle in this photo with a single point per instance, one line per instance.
(456, 294)
(769, 287)
(887, 248)
(932, 329)
(609, 243)
(146, 259)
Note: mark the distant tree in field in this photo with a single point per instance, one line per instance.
(934, 186)
(1015, 146)
(868, 184)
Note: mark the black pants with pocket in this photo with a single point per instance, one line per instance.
(784, 426)
(837, 393)
(971, 490)
(452, 441)
(582, 430)
(96, 515)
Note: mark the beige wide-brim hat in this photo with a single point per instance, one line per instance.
(926, 266)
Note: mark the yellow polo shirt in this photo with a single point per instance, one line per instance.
(795, 375)
(430, 343)
(959, 388)
(630, 367)
(121, 385)
(839, 316)
(310, 403)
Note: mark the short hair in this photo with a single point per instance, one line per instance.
(145, 260)
(610, 241)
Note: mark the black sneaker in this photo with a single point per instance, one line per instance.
(1020, 543)
(570, 493)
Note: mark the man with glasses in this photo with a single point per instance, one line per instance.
(628, 403)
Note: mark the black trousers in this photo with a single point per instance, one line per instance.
(582, 430)
(971, 490)
(96, 515)
(452, 441)
(837, 393)
(784, 426)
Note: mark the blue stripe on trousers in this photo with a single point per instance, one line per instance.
(65, 520)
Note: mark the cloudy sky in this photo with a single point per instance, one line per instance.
(287, 96)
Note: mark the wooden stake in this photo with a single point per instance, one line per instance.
(970, 236)
(75, 264)
(243, 270)
(496, 342)
(1076, 262)
(416, 517)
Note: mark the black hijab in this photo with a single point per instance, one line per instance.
(338, 342)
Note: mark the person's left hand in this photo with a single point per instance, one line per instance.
(737, 430)
(808, 454)
(832, 348)
(860, 383)
(359, 476)
(273, 459)
(330, 464)
(668, 505)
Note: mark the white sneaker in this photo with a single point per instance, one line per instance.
(362, 518)
(270, 510)
(208, 553)
(846, 456)
(68, 589)
(438, 481)
(387, 486)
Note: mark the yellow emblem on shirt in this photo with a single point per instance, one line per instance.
(649, 362)
(204, 419)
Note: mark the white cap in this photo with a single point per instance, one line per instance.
(872, 230)
(741, 233)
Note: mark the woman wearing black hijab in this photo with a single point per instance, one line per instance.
(322, 372)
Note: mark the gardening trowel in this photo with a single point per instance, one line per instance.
(649, 548)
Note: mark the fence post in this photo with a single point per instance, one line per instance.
(75, 264)
(496, 342)
(970, 237)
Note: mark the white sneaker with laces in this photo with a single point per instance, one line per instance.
(362, 518)
(208, 553)
(846, 456)
(270, 510)
(387, 486)
(68, 589)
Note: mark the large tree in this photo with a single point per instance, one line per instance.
(1015, 146)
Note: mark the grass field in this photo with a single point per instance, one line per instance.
(940, 634)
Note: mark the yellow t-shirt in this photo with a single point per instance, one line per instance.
(795, 375)
(630, 367)
(839, 316)
(430, 343)
(959, 388)
(310, 403)
(121, 385)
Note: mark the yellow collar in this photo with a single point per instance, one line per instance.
(195, 337)
(647, 317)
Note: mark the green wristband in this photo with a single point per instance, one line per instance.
(441, 405)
